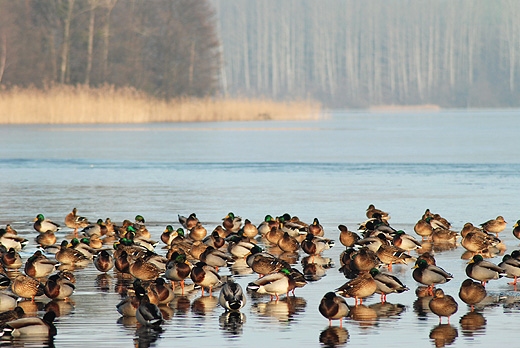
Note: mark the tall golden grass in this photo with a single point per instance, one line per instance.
(82, 104)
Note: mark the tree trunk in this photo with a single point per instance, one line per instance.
(66, 42)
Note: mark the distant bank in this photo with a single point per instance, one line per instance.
(84, 105)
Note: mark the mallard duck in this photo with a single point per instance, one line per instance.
(163, 290)
(46, 239)
(266, 225)
(516, 229)
(205, 276)
(198, 232)
(7, 301)
(346, 237)
(387, 283)
(405, 241)
(31, 327)
(10, 240)
(98, 229)
(231, 222)
(429, 275)
(104, 261)
(274, 235)
(83, 247)
(360, 287)
(75, 222)
(482, 270)
(347, 264)
(10, 229)
(288, 243)
(313, 245)
(11, 259)
(442, 235)
(70, 256)
(231, 296)
(511, 267)
(148, 314)
(177, 269)
(169, 234)
(27, 287)
(39, 266)
(333, 307)
(214, 240)
(127, 307)
(443, 305)
(316, 228)
(188, 222)
(216, 258)
(58, 287)
(238, 247)
(371, 210)
(494, 225)
(389, 255)
(374, 241)
(437, 221)
(10, 315)
(143, 270)
(249, 230)
(274, 284)
(429, 258)
(472, 292)
(41, 224)
(478, 241)
(365, 259)
(264, 263)
(423, 228)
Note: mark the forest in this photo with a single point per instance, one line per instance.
(342, 53)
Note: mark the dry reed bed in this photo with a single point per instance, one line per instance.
(81, 104)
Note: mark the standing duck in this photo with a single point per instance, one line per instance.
(46, 239)
(104, 261)
(39, 266)
(371, 210)
(333, 307)
(316, 228)
(232, 297)
(232, 223)
(177, 269)
(249, 230)
(266, 225)
(75, 222)
(429, 275)
(511, 266)
(405, 241)
(346, 237)
(494, 225)
(360, 287)
(216, 258)
(148, 314)
(70, 256)
(163, 290)
(387, 283)
(423, 228)
(482, 270)
(472, 292)
(274, 284)
(188, 222)
(443, 305)
(41, 224)
(313, 245)
(205, 276)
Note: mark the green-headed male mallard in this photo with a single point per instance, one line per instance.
(387, 283)
(429, 275)
(205, 276)
(177, 269)
(511, 266)
(39, 266)
(41, 224)
(482, 270)
(274, 284)
(231, 222)
(31, 327)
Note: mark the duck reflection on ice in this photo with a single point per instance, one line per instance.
(443, 335)
(147, 336)
(364, 315)
(232, 322)
(284, 310)
(473, 323)
(204, 305)
(334, 336)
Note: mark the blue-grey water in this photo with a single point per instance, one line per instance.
(461, 164)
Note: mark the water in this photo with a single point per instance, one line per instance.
(461, 164)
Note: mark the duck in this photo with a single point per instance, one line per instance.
(104, 261)
(58, 287)
(198, 232)
(442, 305)
(374, 241)
(148, 314)
(98, 229)
(39, 266)
(231, 222)
(264, 263)
(472, 292)
(365, 259)
(274, 284)
(239, 247)
(482, 270)
(41, 224)
(11, 314)
(389, 255)
(177, 269)
(423, 228)
(70, 256)
(163, 290)
(83, 247)
(494, 225)
(333, 307)
(169, 234)
(359, 288)
(511, 267)
(516, 229)
(428, 257)
(387, 283)
(265, 226)
(313, 245)
(442, 235)
(205, 276)
(346, 237)
(214, 240)
(371, 210)
(288, 243)
(477, 241)
(10, 229)
(10, 240)
(31, 327)
(316, 228)
(436, 221)
(232, 297)
(75, 222)
(249, 230)
(27, 287)
(188, 222)
(11, 259)
(46, 239)
(430, 275)
(143, 270)
(405, 241)
(274, 235)
(127, 307)
(216, 258)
